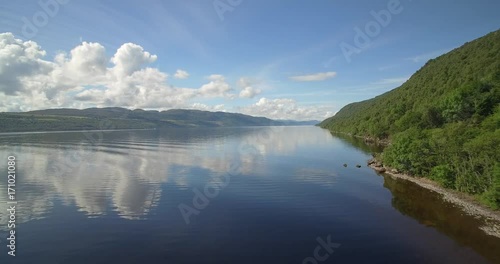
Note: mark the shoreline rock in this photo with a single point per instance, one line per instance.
(466, 202)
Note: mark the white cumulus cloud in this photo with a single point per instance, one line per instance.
(204, 107)
(86, 77)
(284, 108)
(321, 76)
(249, 92)
(247, 88)
(217, 87)
(130, 57)
(181, 74)
(19, 60)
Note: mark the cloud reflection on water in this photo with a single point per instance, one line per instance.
(125, 173)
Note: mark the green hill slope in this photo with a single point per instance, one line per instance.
(121, 118)
(444, 122)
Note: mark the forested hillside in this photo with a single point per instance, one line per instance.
(121, 118)
(443, 123)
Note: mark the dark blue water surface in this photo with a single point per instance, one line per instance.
(222, 195)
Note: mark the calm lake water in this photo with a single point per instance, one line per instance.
(222, 195)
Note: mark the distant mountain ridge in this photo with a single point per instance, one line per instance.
(121, 118)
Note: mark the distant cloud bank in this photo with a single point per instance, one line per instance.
(86, 77)
(321, 76)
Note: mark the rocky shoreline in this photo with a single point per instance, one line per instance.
(466, 202)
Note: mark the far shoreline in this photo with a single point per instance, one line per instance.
(70, 131)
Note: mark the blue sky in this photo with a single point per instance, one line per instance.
(281, 59)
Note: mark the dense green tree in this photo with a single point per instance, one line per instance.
(492, 196)
(443, 123)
